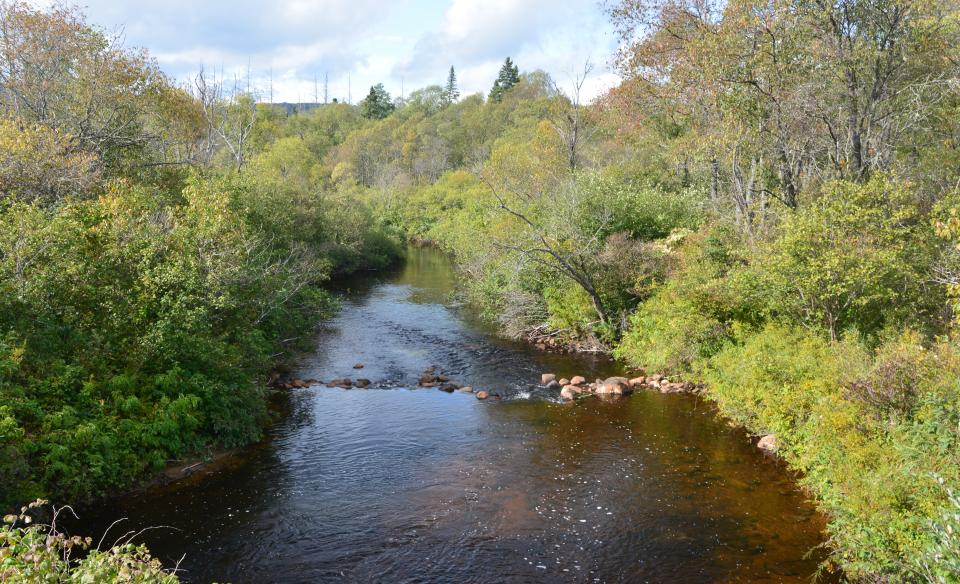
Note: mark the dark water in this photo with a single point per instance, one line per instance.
(400, 485)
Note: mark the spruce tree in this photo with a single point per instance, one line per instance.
(451, 93)
(508, 77)
(377, 105)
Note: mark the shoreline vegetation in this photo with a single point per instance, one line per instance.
(766, 207)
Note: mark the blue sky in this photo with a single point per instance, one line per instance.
(404, 43)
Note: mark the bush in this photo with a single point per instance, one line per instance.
(691, 315)
(135, 327)
(859, 258)
(872, 472)
(40, 554)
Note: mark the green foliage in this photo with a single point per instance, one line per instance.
(690, 317)
(138, 315)
(858, 258)
(508, 77)
(867, 452)
(940, 563)
(377, 105)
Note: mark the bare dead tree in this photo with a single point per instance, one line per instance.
(570, 123)
(230, 118)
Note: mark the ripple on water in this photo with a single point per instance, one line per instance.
(422, 486)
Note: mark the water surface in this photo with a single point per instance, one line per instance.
(417, 485)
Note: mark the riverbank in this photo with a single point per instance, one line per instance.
(425, 484)
(836, 412)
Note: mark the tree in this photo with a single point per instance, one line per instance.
(40, 165)
(451, 93)
(569, 119)
(230, 120)
(774, 99)
(508, 77)
(429, 99)
(377, 105)
(856, 259)
(59, 71)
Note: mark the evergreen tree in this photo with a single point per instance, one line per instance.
(451, 93)
(377, 105)
(508, 77)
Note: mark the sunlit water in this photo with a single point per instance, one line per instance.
(417, 485)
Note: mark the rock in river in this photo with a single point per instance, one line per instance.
(613, 386)
(482, 394)
(547, 378)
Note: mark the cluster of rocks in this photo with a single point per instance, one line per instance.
(432, 377)
(294, 383)
(577, 386)
(342, 382)
(347, 383)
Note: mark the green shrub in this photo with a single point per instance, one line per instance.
(859, 258)
(692, 314)
(135, 326)
(868, 454)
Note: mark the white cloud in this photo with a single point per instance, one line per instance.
(477, 35)
(408, 42)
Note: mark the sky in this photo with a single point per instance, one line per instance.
(404, 44)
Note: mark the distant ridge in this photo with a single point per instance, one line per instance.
(292, 108)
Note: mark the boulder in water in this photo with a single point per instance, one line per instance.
(564, 381)
(466, 389)
(482, 394)
(613, 386)
(547, 378)
(577, 380)
(553, 384)
(568, 393)
(358, 366)
(362, 383)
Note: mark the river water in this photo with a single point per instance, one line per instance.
(395, 484)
